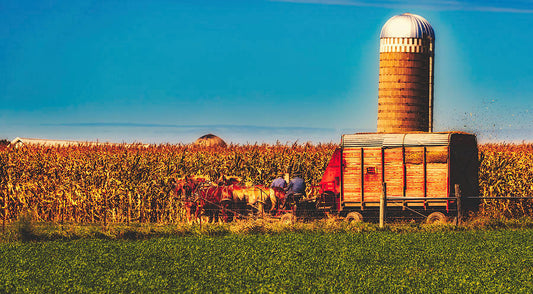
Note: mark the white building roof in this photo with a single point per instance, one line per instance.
(47, 142)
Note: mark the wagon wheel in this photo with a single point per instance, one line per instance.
(437, 218)
(354, 216)
(288, 218)
(226, 216)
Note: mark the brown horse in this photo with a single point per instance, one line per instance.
(214, 202)
(186, 190)
(225, 200)
(229, 180)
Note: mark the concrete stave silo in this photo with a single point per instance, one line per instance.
(405, 99)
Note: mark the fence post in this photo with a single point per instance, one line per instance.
(4, 216)
(129, 207)
(459, 204)
(383, 206)
(62, 207)
(105, 208)
(6, 199)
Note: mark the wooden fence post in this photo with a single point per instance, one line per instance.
(62, 207)
(383, 206)
(6, 198)
(459, 204)
(105, 208)
(4, 216)
(141, 208)
(129, 207)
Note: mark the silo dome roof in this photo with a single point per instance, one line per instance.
(407, 25)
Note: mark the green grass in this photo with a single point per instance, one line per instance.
(445, 261)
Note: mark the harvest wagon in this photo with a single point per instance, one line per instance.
(417, 173)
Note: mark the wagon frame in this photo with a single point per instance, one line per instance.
(417, 174)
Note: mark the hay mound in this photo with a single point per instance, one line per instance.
(210, 140)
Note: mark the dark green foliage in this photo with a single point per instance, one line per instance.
(25, 229)
(493, 261)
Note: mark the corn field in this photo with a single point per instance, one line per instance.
(134, 183)
(506, 170)
(119, 183)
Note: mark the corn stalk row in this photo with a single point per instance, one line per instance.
(115, 183)
(119, 183)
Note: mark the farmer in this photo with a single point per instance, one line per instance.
(279, 182)
(296, 188)
(279, 185)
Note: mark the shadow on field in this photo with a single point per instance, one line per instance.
(27, 230)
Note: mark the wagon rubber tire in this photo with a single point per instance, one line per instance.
(354, 216)
(436, 218)
(288, 219)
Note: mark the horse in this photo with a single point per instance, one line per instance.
(186, 190)
(258, 199)
(225, 199)
(224, 180)
(279, 195)
(214, 201)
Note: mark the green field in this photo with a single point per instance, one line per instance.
(482, 261)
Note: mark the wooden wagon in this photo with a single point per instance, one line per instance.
(417, 173)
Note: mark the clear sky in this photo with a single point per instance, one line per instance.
(250, 71)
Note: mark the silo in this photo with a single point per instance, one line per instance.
(405, 97)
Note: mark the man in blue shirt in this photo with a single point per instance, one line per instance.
(279, 185)
(296, 186)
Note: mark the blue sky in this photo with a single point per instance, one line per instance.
(250, 71)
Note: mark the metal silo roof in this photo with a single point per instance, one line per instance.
(407, 25)
(395, 140)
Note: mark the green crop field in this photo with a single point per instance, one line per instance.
(54, 200)
(447, 261)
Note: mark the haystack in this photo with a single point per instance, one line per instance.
(210, 140)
